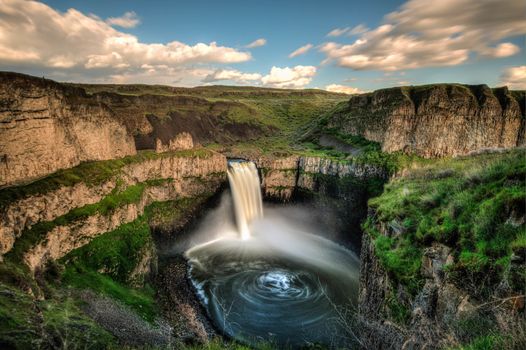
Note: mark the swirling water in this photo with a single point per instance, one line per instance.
(285, 284)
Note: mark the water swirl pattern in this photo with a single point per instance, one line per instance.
(275, 283)
(255, 291)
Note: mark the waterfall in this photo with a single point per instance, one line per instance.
(246, 193)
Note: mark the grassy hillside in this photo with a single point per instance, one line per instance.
(473, 204)
(263, 119)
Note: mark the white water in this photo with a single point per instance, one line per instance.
(246, 193)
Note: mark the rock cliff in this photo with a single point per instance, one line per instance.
(434, 316)
(435, 120)
(45, 126)
(21, 214)
(282, 176)
(64, 238)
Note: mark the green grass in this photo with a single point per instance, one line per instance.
(165, 214)
(105, 265)
(37, 232)
(468, 203)
(89, 173)
(489, 342)
(28, 321)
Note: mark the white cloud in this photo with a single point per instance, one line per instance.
(501, 50)
(300, 51)
(295, 77)
(343, 89)
(50, 42)
(445, 34)
(257, 43)
(128, 20)
(159, 74)
(232, 75)
(359, 29)
(514, 77)
(338, 31)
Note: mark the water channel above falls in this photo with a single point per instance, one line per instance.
(269, 275)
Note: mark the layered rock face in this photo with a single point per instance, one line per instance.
(45, 126)
(439, 307)
(435, 120)
(65, 238)
(282, 176)
(180, 142)
(22, 214)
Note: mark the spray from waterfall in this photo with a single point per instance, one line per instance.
(246, 194)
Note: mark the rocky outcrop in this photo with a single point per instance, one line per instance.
(278, 176)
(377, 331)
(282, 176)
(45, 126)
(23, 213)
(179, 142)
(65, 238)
(434, 314)
(434, 120)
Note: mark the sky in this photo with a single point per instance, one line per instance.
(345, 46)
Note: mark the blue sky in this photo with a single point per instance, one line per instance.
(401, 42)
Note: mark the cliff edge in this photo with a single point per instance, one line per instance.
(435, 120)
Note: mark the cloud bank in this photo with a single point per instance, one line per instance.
(296, 77)
(514, 78)
(34, 35)
(343, 89)
(442, 34)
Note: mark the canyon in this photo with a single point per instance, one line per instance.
(83, 164)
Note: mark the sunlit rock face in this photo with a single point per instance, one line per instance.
(435, 120)
(22, 214)
(45, 126)
(179, 142)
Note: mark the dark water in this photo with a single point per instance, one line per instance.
(283, 285)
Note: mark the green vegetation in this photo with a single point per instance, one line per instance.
(90, 173)
(169, 213)
(106, 265)
(262, 119)
(37, 232)
(27, 322)
(490, 342)
(472, 204)
(355, 149)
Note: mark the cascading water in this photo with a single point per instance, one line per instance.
(246, 194)
(275, 278)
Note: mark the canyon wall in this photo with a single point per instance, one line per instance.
(175, 172)
(45, 126)
(436, 314)
(281, 177)
(435, 120)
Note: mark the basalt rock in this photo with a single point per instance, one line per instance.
(435, 120)
(65, 238)
(435, 312)
(23, 213)
(282, 176)
(45, 126)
